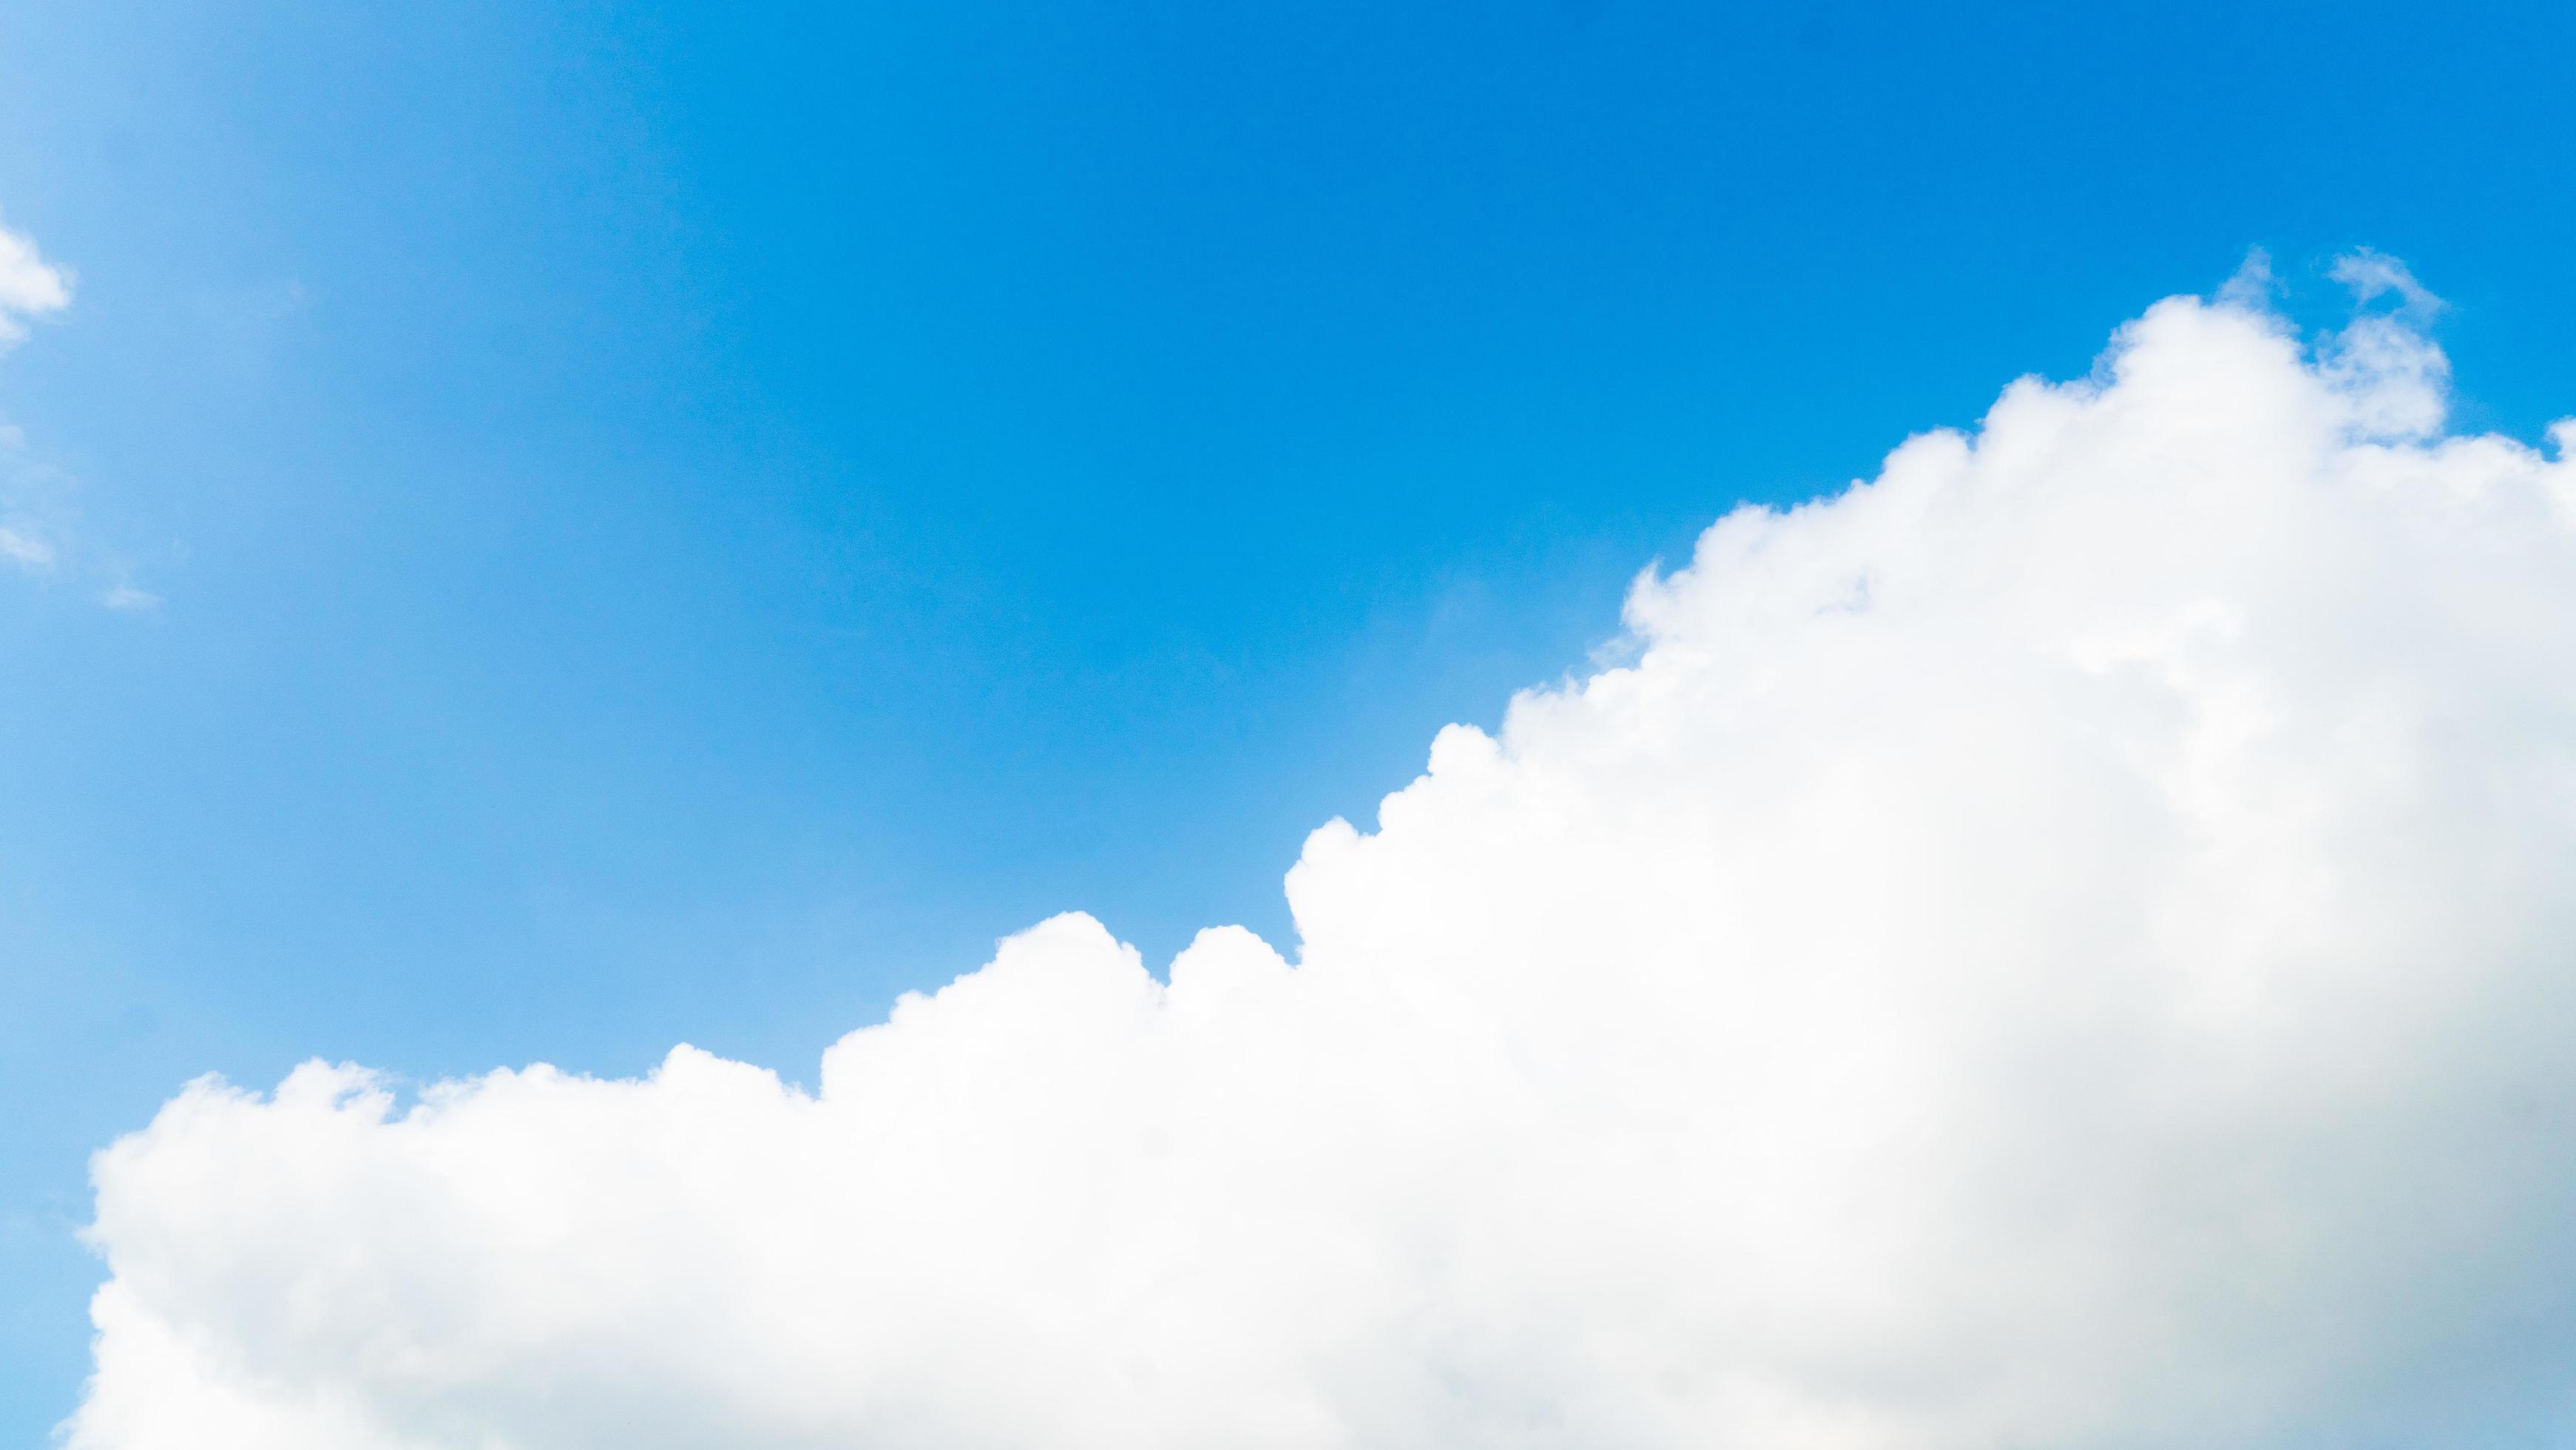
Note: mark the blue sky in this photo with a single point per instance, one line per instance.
(677, 526)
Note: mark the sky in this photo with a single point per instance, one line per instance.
(569, 529)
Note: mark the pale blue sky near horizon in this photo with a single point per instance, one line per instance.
(677, 524)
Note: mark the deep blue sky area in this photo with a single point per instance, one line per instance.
(682, 521)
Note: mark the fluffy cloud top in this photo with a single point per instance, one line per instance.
(2068, 943)
(29, 286)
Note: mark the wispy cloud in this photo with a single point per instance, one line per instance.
(35, 510)
(30, 286)
(2372, 275)
(25, 552)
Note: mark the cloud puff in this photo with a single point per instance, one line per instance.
(2067, 943)
(29, 286)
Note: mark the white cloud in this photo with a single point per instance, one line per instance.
(2067, 943)
(24, 551)
(29, 285)
(2372, 275)
(2254, 287)
(126, 599)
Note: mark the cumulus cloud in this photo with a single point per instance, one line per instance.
(2065, 943)
(30, 286)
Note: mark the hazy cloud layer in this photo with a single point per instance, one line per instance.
(2068, 943)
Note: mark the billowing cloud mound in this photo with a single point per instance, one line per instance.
(2071, 943)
